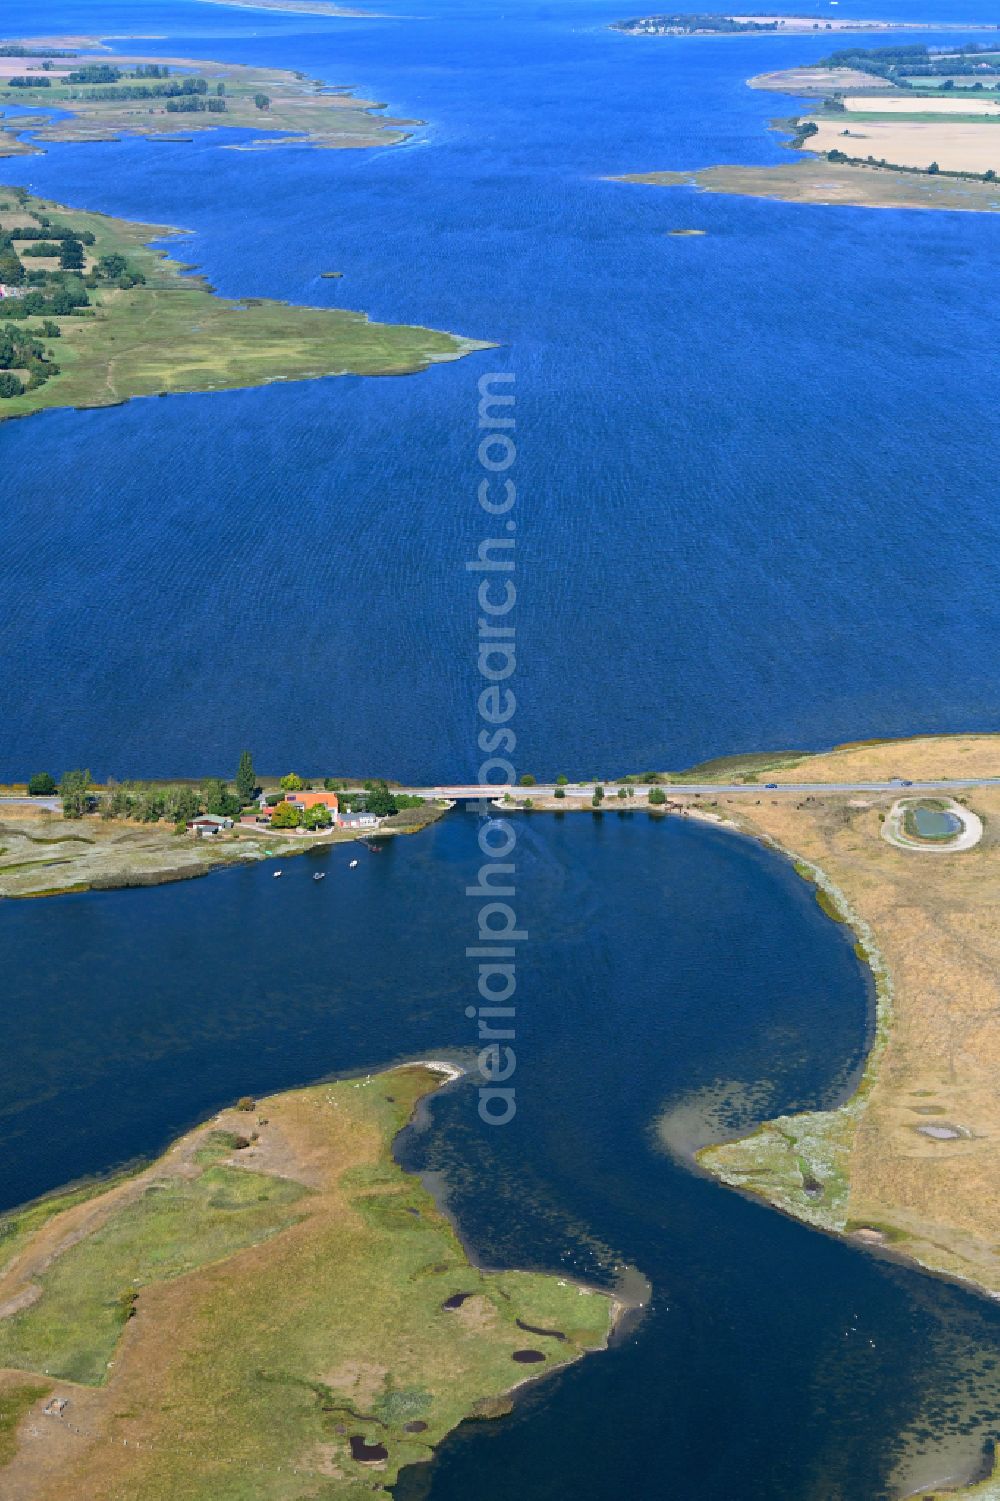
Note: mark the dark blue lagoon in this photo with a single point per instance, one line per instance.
(726, 443)
(676, 981)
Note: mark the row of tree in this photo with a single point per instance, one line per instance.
(149, 803)
(46, 230)
(196, 106)
(176, 89)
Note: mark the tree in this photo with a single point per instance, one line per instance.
(598, 796)
(262, 101)
(933, 168)
(291, 783)
(181, 803)
(561, 781)
(246, 778)
(286, 816)
(527, 780)
(11, 270)
(559, 792)
(380, 801)
(219, 800)
(317, 817)
(10, 384)
(71, 256)
(212, 791)
(622, 792)
(657, 796)
(41, 784)
(75, 790)
(150, 805)
(112, 266)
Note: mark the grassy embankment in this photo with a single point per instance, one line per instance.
(909, 1161)
(173, 334)
(226, 1322)
(299, 110)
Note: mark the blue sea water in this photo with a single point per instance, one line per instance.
(671, 971)
(727, 444)
(726, 447)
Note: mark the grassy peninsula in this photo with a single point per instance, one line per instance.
(908, 1163)
(274, 1309)
(893, 127)
(106, 96)
(93, 317)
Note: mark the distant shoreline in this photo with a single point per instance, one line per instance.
(892, 127)
(746, 24)
(291, 7)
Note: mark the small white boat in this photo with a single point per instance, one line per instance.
(352, 864)
(320, 875)
(276, 874)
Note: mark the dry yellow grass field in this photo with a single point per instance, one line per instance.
(912, 1162)
(938, 104)
(815, 180)
(956, 146)
(922, 758)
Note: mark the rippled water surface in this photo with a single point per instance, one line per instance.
(675, 979)
(727, 443)
(726, 446)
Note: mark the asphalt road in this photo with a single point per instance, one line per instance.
(750, 789)
(474, 791)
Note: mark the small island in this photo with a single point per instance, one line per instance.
(904, 126)
(273, 1309)
(91, 316)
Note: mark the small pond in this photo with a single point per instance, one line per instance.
(931, 821)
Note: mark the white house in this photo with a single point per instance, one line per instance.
(207, 825)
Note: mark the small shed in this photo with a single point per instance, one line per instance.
(208, 825)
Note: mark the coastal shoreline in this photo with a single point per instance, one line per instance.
(874, 137)
(291, 1131)
(153, 329)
